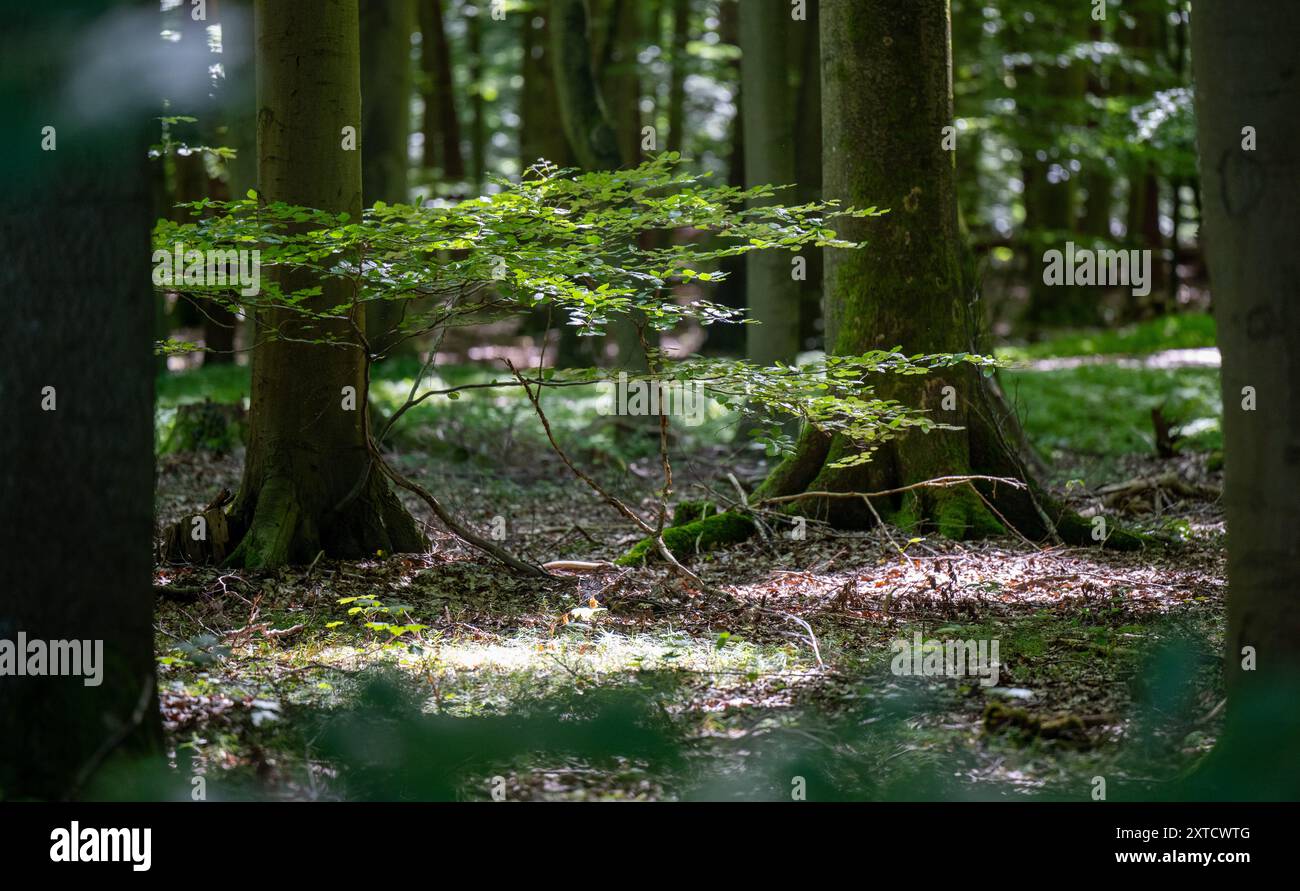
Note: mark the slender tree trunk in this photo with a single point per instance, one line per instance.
(1051, 195)
(441, 122)
(219, 322)
(474, 13)
(386, 27)
(808, 167)
(76, 481)
(590, 130)
(307, 447)
(772, 292)
(677, 78)
(539, 137)
(730, 339)
(1243, 55)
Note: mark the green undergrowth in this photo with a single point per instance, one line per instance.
(1184, 331)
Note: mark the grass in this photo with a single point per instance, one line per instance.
(1105, 410)
(1186, 331)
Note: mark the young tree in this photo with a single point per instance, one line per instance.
(76, 482)
(767, 32)
(1243, 58)
(309, 483)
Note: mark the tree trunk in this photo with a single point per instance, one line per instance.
(1243, 56)
(76, 482)
(539, 137)
(677, 78)
(386, 28)
(619, 78)
(808, 167)
(772, 291)
(591, 136)
(1051, 195)
(887, 94)
(307, 447)
(441, 123)
(730, 339)
(474, 13)
(582, 110)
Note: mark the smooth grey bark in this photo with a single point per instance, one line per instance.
(76, 483)
(1243, 56)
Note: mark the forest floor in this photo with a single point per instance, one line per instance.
(1109, 662)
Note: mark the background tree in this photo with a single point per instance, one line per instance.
(77, 476)
(385, 127)
(886, 97)
(441, 128)
(539, 107)
(307, 449)
(767, 35)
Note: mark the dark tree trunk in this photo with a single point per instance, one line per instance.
(808, 167)
(539, 137)
(1244, 61)
(307, 450)
(386, 27)
(731, 292)
(76, 482)
(677, 79)
(591, 136)
(590, 132)
(441, 122)
(474, 12)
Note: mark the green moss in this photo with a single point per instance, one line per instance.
(690, 511)
(694, 537)
(959, 513)
(1077, 530)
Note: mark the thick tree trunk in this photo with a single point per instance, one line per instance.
(1244, 60)
(76, 481)
(386, 28)
(767, 33)
(887, 94)
(619, 78)
(307, 442)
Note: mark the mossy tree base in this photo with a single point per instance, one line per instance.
(281, 527)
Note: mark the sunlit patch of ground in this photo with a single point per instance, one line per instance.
(1108, 662)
